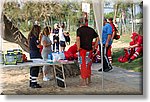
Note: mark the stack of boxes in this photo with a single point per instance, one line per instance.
(12, 57)
(19, 55)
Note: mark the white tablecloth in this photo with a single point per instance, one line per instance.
(37, 62)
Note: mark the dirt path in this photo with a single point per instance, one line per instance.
(15, 81)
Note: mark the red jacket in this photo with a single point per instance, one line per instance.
(136, 39)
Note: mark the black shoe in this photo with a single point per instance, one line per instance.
(35, 86)
(109, 70)
(100, 70)
(130, 60)
(105, 70)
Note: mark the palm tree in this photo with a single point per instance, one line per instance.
(115, 11)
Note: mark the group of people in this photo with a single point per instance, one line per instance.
(58, 38)
(40, 45)
(87, 42)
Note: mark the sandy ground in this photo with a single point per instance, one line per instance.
(15, 81)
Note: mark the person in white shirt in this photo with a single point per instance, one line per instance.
(62, 41)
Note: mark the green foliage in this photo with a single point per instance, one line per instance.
(109, 15)
(73, 37)
(25, 27)
(139, 15)
(46, 13)
(125, 38)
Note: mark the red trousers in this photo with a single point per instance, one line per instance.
(133, 52)
(85, 69)
(138, 50)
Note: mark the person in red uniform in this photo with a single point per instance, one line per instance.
(113, 35)
(84, 39)
(71, 53)
(134, 49)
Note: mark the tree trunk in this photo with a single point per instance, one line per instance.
(124, 20)
(68, 24)
(132, 17)
(120, 22)
(116, 10)
(12, 34)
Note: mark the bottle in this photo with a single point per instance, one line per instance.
(79, 59)
(50, 57)
(87, 58)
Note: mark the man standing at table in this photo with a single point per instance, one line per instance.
(84, 39)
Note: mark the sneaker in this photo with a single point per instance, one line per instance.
(106, 70)
(46, 79)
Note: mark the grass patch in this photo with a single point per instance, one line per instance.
(136, 65)
(125, 38)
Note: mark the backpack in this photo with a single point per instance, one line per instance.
(116, 37)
